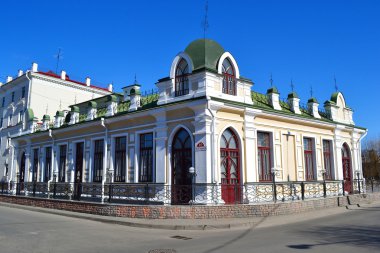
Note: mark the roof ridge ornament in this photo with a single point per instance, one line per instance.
(205, 20)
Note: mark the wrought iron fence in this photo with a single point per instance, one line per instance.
(159, 194)
(372, 185)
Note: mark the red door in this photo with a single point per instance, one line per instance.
(230, 167)
(346, 162)
(181, 162)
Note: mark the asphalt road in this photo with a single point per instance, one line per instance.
(355, 230)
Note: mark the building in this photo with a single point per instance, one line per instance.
(206, 122)
(34, 94)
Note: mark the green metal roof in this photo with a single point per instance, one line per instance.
(272, 90)
(30, 114)
(293, 95)
(204, 53)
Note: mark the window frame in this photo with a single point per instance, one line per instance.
(309, 155)
(260, 152)
(181, 82)
(228, 78)
(47, 163)
(97, 160)
(62, 164)
(23, 92)
(12, 96)
(35, 164)
(328, 155)
(149, 172)
(123, 159)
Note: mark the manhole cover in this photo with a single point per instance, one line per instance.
(162, 251)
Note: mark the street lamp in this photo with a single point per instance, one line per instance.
(193, 174)
(358, 178)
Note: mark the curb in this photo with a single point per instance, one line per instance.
(93, 217)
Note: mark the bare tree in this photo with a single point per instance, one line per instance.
(371, 158)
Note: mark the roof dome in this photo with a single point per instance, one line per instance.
(204, 53)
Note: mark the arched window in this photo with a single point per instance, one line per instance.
(229, 80)
(181, 78)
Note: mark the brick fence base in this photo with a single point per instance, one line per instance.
(192, 212)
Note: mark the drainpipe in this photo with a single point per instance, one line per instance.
(102, 123)
(29, 88)
(360, 152)
(212, 144)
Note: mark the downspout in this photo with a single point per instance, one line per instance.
(105, 162)
(212, 143)
(360, 149)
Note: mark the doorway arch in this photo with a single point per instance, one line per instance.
(181, 161)
(230, 166)
(346, 165)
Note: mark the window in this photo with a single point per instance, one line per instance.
(327, 158)
(62, 163)
(120, 159)
(3, 102)
(47, 170)
(146, 158)
(264, 156)
(229, 82)
(23, 92)
(181, 78)
(98, 160)
(1, 122)
(35, 165)
(308, 153)
(13, 96)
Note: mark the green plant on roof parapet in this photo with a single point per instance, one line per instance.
(82, 117)
(260, 99)
(149, 99)
(101, 112)
(123, 106)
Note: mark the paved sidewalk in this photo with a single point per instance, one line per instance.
(200, 224)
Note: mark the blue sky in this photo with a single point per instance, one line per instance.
(110, 41)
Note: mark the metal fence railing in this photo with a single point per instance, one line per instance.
(372, 185)
(159, 194)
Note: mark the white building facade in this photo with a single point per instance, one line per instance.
(206, 136)
(35, 94)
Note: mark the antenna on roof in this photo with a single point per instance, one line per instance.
(205, 20)
(60, 104)
(47, 107)
(291, 84)
(271, 80)
(58, 56)
(336, 86)
(311, 91)
(75, 100)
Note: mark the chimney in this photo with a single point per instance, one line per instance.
(274, 98)
(34, 67)
(88, 81)
(63, 75)
(110, 87)
(312, 105)
(20, 72)
(135, 97)
(294, 103)
(9, 78)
